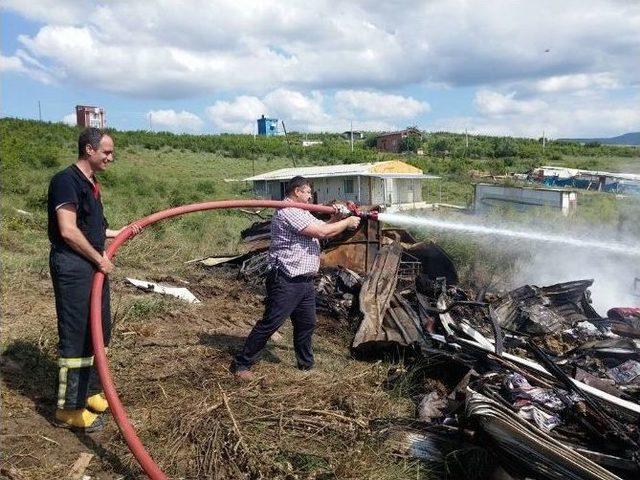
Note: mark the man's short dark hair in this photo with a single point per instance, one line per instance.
(296, 182)
(89, 136)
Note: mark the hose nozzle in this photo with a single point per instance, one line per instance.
(354, 210)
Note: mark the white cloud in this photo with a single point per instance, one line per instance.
(174, 49)
(70, 119)
(315, 112)
(354, 103)
(24, 64)
(549, 64)
(50, 11)
(11, 64)
(173, 121)
(238, 115)
(577, 82)
(300, 109)
(494, 103)
(599, 117)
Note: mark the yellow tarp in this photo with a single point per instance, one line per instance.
(394, 166)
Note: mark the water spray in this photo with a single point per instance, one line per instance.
(471, 228)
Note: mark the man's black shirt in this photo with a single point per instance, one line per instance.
(71, 186)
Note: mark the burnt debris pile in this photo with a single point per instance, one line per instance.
(534, 377)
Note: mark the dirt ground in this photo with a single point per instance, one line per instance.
(170, 364)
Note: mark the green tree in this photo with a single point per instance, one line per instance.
(410, 143)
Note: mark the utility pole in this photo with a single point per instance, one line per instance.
(39, 111)
(351, 135)
(466, 139)
(293, 158)
(150, 123)
(544, 142)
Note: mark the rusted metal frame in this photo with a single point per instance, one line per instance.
(354, 242)
(366, 248)
(368, 253)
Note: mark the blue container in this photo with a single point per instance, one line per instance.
(267, 126)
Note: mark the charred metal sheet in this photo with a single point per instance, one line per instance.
(401, 324)
(435, 262)
(336, 292)
(625, 321)
(528, 448)
(542, 310)
(256, 230)
(255, 266)
(601, 414)
(376, 293)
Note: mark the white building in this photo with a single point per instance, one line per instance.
(488, 196)
(382, 183)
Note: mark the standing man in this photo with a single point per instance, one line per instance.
(294, 260)
(77, 232)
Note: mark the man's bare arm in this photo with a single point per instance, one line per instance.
(328, 230)
(114, 233)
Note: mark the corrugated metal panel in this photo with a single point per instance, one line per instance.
(313, 172)
(391, 169)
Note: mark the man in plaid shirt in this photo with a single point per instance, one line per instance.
(294, 260)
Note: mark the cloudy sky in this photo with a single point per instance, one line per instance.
(569, 68)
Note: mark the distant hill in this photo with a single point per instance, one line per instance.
(632, 138)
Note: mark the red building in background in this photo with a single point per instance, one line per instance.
(392, 141)
(90, 116)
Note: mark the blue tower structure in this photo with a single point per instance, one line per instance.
(267, 126)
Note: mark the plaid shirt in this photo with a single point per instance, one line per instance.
(290, 251)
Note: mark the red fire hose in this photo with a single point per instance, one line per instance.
(100, 361)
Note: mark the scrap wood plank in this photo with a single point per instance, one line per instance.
(78, 469)
(376, 292)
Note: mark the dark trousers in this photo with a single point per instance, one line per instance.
(286, 297)
(72, 276)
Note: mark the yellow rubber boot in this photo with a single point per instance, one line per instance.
(80, 418)
(97, 403)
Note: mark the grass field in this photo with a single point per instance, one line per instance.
(171, 359)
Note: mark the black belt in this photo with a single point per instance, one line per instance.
(301, 278)
(297, 279)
